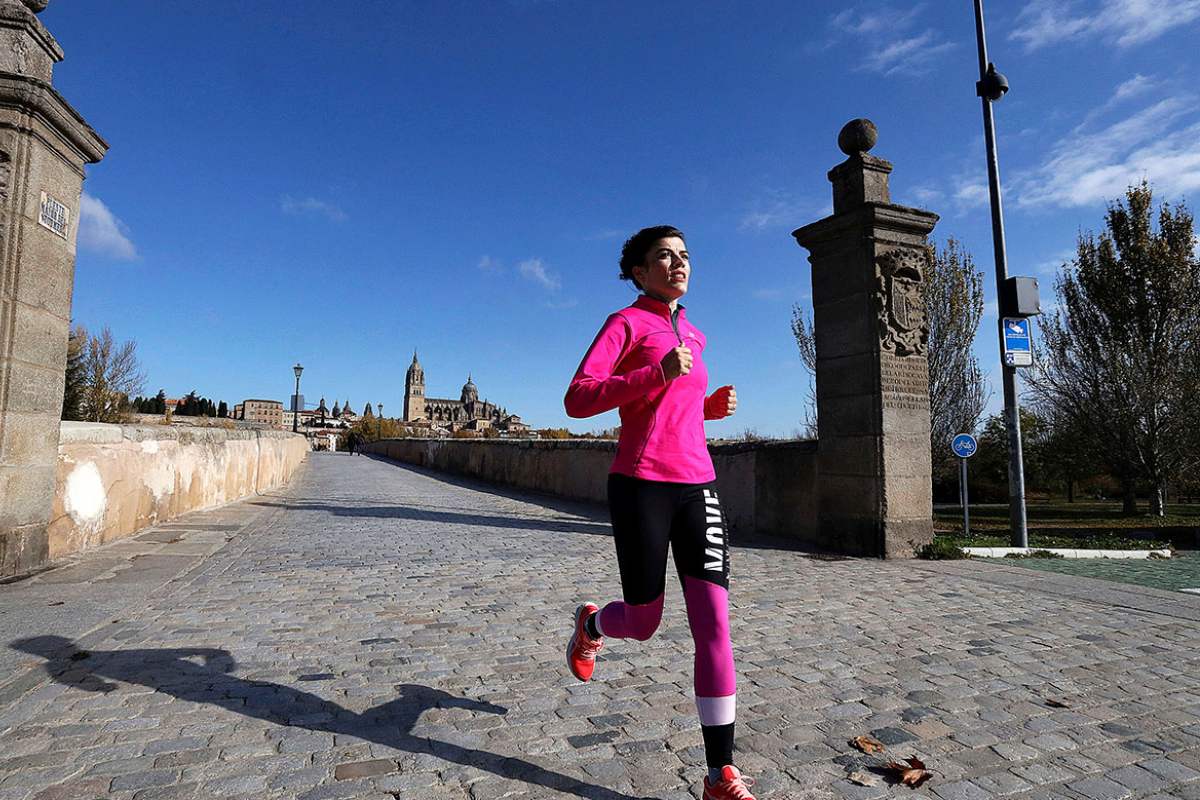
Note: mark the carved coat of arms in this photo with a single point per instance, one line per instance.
(900, 276)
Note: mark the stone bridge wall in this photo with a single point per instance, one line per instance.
(114, 480)
(767, 486)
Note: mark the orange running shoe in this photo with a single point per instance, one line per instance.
(582, 649)
(732, 786)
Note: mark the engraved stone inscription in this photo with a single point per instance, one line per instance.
(904, 383)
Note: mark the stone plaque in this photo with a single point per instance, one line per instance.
(54, 215)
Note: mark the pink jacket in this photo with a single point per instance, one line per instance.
(662, 422)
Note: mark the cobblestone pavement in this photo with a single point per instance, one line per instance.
(1179, 573)
(376, 631)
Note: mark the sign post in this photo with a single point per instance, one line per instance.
(964, 446)
(1018, 342)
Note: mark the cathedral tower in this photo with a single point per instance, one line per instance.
(414, 391)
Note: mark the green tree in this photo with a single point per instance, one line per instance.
(222, 410)
(988, 468)
(160, 403)
(75, 386)
(1121, 360)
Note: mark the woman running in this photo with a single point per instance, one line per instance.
(646, 361)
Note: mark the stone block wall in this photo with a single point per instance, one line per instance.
(768, 487)
(114, 480)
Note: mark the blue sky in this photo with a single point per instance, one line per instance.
(342, 183)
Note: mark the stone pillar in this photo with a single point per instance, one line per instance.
(869, 264)
(44, 145)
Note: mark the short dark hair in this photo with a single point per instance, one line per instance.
(633, 254)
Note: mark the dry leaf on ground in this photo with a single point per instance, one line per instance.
(867, 744)
(911, 773)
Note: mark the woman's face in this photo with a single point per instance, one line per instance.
(665, 272)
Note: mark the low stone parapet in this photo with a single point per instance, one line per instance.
(114, 480)
(765, 486)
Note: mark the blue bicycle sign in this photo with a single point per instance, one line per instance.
(964, 445)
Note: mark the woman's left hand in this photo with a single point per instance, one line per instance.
(724, 401)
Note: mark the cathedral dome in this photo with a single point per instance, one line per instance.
(470, 394)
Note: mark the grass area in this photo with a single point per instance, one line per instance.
(1099, 525)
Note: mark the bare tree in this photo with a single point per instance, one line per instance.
(954, 307)
(1122, 352)
(111, 375)
(806, 342)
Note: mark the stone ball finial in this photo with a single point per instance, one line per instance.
(36, 6)
(858, 136)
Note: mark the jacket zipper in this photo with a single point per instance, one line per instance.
(654, 409)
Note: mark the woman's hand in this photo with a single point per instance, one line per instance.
(676, 362)
(723, 402)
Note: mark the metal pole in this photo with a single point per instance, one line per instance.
(295, 410)
(1012, 412)
(964, 496)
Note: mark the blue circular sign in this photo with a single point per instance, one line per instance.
(964, 445)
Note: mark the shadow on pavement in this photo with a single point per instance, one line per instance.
(171, 672)
(589, 518)
(426, 514)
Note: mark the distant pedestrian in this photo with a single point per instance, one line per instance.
(646, 361)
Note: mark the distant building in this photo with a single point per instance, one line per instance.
(320, 418)
(265, 412)
(468, 412)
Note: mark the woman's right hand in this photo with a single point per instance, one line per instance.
(676, 362)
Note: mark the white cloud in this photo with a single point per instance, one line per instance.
(611, 233)
(311, 205)
(1137, 85)
(767, 294)
(777, 210)
(890, 38)
(926, 196)
(1159, 143)
(911, 54)
(1123, 23)
(1051, 265)
(970, 194)
(874, 20)
(101, 232)
(533, 269)
(489, 264)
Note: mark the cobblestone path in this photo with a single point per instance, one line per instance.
(376, 631)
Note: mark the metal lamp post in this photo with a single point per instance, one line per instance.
(296, 399)
(381, 420)
(990, 88)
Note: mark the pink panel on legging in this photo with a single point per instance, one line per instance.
(624, 621)
(708, 617)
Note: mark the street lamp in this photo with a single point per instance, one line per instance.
(990, 88)
(296, 399)
(381, 420)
